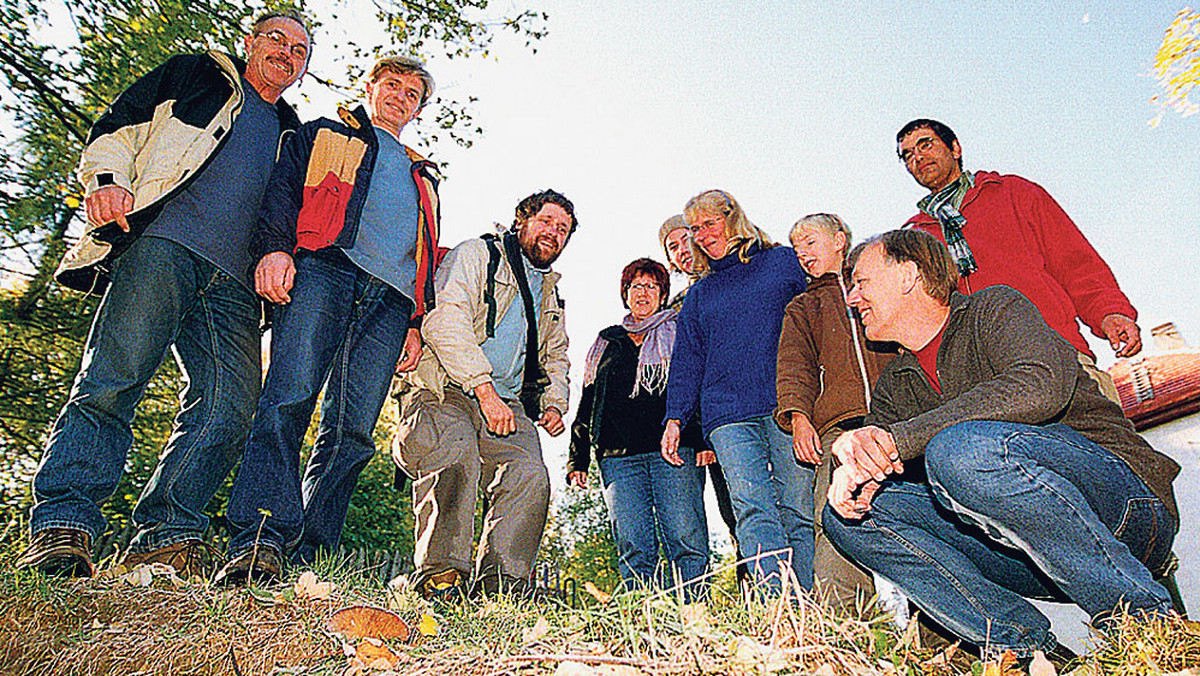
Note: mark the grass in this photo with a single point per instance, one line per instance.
(108, 626)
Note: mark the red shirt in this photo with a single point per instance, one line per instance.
(927, 356)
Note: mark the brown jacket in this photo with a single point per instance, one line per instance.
(817, 370)
(999, 360)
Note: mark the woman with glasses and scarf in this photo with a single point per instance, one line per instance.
(650, 502)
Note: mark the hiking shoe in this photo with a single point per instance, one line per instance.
(262, 565)
(446, 587)
(189, 558)
(62, 552)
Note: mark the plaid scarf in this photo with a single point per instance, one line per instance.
(943, 205)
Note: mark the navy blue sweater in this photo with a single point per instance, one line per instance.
(727, 336)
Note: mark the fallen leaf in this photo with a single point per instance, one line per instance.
(371, 654)
(751, 657)
(537, 632)
(309, 587)
(573, 669)
(824, 670)
(141, 576)
(363, 621)
(349, 649)
(601, 596)
(1194, 671)
(695, 620)
(1040, 666)
(1006, 666)
(617, 670)
(428, 626)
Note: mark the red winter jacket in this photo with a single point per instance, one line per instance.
(1021, 238)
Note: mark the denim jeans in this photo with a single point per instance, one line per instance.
(649, 500)
(162, 297)
(772, 496)
(1013, 511)
(343, 330)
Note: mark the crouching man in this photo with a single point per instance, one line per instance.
(468, 413)
(991, 468)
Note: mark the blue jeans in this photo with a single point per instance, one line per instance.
(161, 296)
(649, 498)
(772, 496)
(1013, 511)
(343, 330)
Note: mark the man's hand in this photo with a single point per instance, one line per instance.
(552, 421)
(669, 446)
(869, 452)
(501, 421)
(806, 443)
(705, 458)
(273, 277)
(109, 204)
(1123, 334)
(577, 479)
(412, 352)
(847, 497)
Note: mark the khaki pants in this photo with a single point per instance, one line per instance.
(840, 584)
(446, 448)
(1105, 381)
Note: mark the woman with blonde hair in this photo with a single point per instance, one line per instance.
(724, 364)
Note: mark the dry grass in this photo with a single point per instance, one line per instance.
(108, 626)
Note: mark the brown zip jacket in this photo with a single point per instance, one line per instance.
(999, 360)
(817, 370)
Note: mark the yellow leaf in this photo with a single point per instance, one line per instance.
(428, 626)
(751, 657)
(695, 620)
(601, 596)
(537, 632)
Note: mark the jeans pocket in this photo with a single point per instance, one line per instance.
(1147, 530)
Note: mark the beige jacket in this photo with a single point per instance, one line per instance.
(455, 329)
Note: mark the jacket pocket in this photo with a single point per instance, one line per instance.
(322, 213)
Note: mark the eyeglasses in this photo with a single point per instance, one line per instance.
(923, 146)
(643, 287)
(277, 38)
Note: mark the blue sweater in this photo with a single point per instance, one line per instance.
(727, 336)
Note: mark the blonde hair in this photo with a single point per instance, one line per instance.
(742, 234)
(831, 224)
(404, 65)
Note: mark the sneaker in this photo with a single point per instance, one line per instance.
(189, 558)
(262, 564)
(63, 552)
(448, 586)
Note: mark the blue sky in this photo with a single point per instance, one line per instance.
(630, 108)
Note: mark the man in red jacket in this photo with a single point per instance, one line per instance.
(1004, 229)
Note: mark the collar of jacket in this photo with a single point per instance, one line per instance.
(614, 334)
(236, 69)
(907, 361)
(827, 279)
(981, 178)
(731, 259)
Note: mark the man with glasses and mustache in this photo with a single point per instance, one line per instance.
(1004, 229)
(173, 176)
(496, 367)
(347, 244)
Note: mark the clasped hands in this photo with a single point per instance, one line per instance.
(867, 456)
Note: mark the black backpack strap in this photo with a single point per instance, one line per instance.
(489, 293)
(533, 380)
